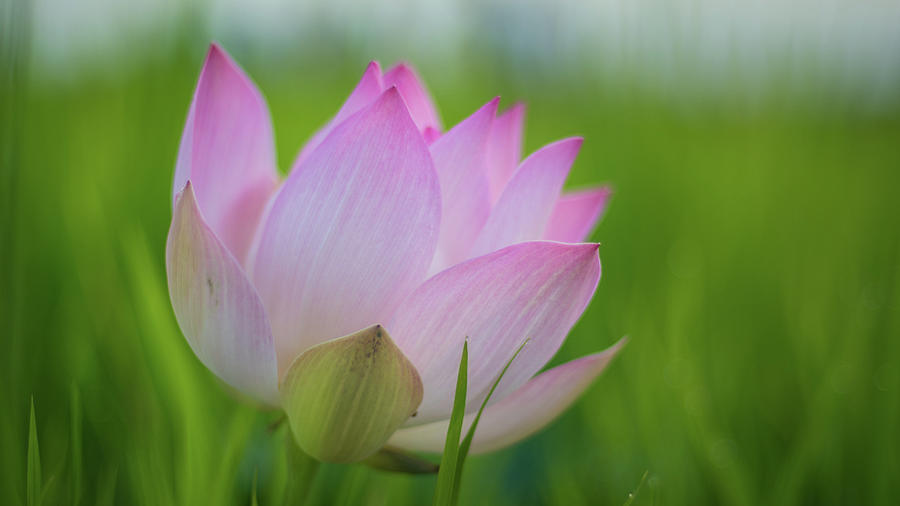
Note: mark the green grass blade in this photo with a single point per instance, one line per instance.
(633, 494)
(443, 493)
(467, 442)
(33, 478)
(253, 499)
(75, 426)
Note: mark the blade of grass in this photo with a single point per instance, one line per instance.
(634, 493)
(467, 441)
(443, 492)
(75, 426)
(33, 478)
(253, 500)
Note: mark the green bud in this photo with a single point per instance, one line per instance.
(345, 397)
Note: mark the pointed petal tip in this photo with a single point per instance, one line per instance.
(372, 72)
(488, 110)
(492, 106)
(575, 141)
(613, 350)
(217, 55)
(186, 191)
(393, 98)
(215, 48)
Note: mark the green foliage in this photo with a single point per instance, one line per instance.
(751, 252)
(455, 452)
(447, 473)
(467, 441)
(76, 446)
(34, 482)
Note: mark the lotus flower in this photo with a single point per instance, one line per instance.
(389, 243)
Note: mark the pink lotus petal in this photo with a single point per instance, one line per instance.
(351, 232)
(505, 149)
(227, 151)
(459, 157)
(367, 90)
(216, 307)
(524, 209)
(535, 290)
(416, 96)
(527, 410)
(576, 214)
(431, 134)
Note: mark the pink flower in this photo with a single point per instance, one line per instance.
(384, 219)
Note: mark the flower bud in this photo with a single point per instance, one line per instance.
(345, 397)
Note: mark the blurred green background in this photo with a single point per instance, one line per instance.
(751, 252)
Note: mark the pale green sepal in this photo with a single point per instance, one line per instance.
(398, 461)
(345, 397)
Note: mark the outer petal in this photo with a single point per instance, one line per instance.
(534, 290)
(351, 232)
(411, 87)
(216, 307)
(524, 209)
(460, 158)
(524, 412)
(575, 214)
(227, 152)
(367, 90)
(505, 149)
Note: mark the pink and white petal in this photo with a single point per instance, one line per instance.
(227, 152)
(524, 412)
(525, 206)
(576, 213)
(368, 89)
(505, 148)
(351, 232)
(533, 290)
(416, 96)
(460, 158)
(217, 308)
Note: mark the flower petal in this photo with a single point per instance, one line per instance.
(416, 96)
(522, 413)
(460, 157)
(351, 232)
(534, 290)
(367, 90)
(524, 209)
(576, 214)
(217, 308)
(227, 152)
(505, 149)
